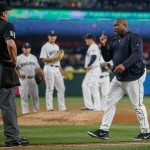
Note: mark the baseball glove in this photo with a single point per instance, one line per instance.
(59, 55)
(38, 78)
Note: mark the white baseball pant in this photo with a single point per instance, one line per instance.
(29, 87)
(104, 84)
(53, 78)
(135, 91)
(90, 88)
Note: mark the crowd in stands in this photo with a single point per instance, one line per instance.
(108, 5)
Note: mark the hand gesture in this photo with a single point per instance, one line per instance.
(103, 39)
(119, 69)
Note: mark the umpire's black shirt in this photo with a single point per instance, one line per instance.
(7, 31)
(126, 50)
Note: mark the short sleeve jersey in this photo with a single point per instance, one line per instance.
(93, 50)
(27, 64)
(7, 31)
(49, 51)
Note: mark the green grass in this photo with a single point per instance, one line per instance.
(46, 135)
(75, 134)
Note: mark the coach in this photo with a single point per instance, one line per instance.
(126, 52)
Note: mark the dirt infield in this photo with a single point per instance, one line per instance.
(74, 116)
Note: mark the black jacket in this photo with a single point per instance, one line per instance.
(126, 50)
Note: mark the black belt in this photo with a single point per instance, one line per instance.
(103, 76)
(29, 77)
(54, 66)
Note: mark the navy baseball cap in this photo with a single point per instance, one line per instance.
(52, 33)
(89, 36)
(26, 45)
(4, 7)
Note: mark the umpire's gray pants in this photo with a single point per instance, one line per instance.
(9, 116)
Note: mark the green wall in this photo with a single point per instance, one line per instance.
(73, 83)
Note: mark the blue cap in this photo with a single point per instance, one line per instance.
(89, 36)
(4, 7)
(52, 33)
(26, 45)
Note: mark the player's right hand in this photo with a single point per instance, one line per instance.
(21, 76)
(103, 39)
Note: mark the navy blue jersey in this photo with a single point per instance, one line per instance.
(126, 50)
(7, 31)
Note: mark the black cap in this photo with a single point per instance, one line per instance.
(26, 45)
(4, 7)
(52, 33)
(89, 36)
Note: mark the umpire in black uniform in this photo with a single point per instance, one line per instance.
(8, 53)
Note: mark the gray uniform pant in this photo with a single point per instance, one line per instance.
(9, 116)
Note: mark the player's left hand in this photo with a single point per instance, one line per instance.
(88, 68)
(59, 55)
(120, 68)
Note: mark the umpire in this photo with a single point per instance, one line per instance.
(8, 53)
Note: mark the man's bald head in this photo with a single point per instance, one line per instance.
(121, 26)
(122, 21)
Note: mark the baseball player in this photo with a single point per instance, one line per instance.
(90, 84)
(126, 52)
(27, 67)
(53, 73)
(104, 82)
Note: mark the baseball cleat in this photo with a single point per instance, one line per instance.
(85, 108)
(143, 136)
(99, 134)
(51, 110)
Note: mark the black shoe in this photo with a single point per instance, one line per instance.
(85, 108)
(143, 136)
(20, 142)
(51, 110)
(99, 134)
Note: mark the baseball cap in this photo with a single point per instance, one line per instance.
(4, 7)
(52, 33)
(89, 36)
(26, 45)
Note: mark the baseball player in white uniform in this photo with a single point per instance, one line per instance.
(53, 73)
(27, 66)
(90, 85)
(104, 82)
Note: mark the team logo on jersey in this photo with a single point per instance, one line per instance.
(52, 52)
(27, 63)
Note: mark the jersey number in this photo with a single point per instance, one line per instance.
(12, 34)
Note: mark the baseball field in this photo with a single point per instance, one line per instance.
(68, 130)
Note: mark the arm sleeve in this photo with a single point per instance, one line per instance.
(137, 51)
(93, 58)
(9, 32)
(106, 53)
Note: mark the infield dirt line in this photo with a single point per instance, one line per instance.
(76, 145)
